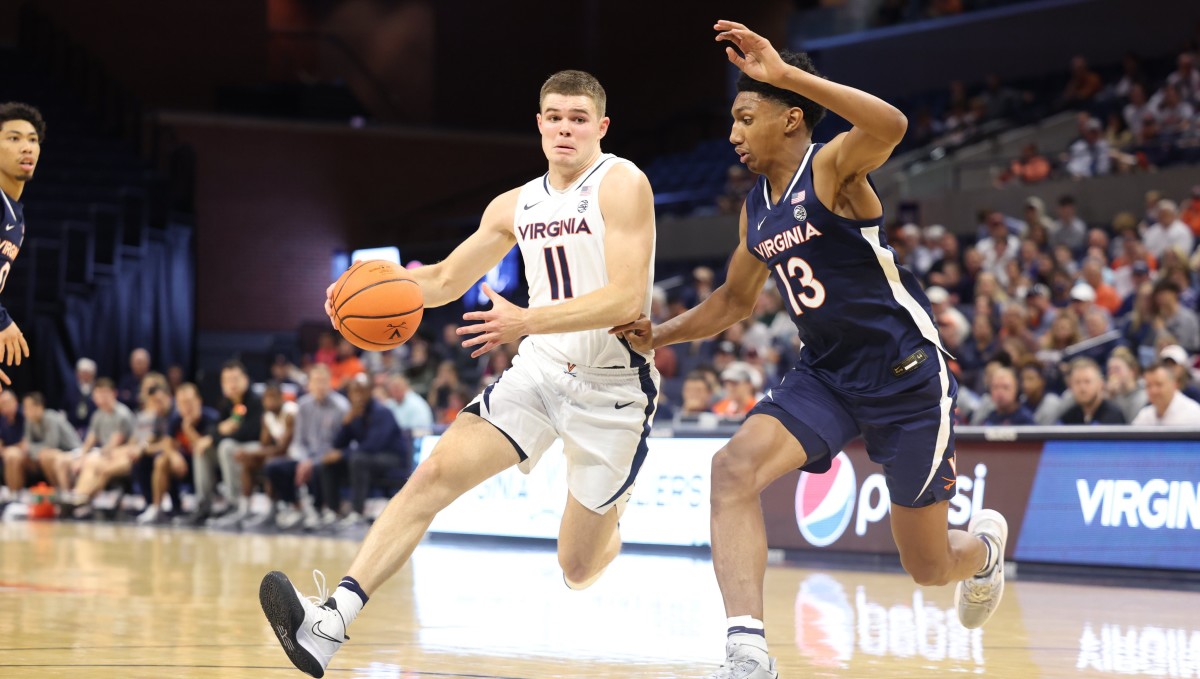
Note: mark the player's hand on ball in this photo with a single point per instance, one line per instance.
(639, 334)
(503, 323)
(758, 59)
(329, 304)
(12, 345)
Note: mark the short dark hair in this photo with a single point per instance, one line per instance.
(15, 110)
(1160, 365)
(36, 398)
(575, 83)
(813, 112)
(1066, 199)
(188, 386)
(1167, 284)
(234, 364)
(106, 383)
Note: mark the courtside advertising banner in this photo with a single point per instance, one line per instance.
(1115, 503)
(1132, 503)
(847, 509)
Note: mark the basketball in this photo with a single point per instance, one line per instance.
(376, 305)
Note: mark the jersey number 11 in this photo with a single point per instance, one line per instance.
(559, 272)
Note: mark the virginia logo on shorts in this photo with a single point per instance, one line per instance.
(825, 502)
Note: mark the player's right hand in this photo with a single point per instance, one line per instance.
(639, 334)
(4, 379)
(329, 304)
(329, 300)
(754, 54)
(12, 345)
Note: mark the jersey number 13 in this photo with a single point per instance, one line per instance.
(811, 293)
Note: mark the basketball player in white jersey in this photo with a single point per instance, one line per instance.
(571, 379)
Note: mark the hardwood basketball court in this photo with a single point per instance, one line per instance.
(103, 600)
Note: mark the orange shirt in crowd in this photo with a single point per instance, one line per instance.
(728, 407)
(345, 370)
(1191, 215)
(1107, 297)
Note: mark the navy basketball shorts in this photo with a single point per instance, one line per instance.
(909, 433)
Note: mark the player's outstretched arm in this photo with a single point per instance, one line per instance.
(628, 207)
(450, 278)
(733, 301)
(878, 126)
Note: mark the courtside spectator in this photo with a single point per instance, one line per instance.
(1172, 317)
(347, 366)
(1088, 156)
(410, 410)
(1167, 231)
(697, 401)
(1069, 229)
(147, 438)
(1046, 406)
(238, 433)
(742, 383)
(373, 444)
(319, 416)
(1191, 211)
(1087, 389)
(278, 430)
(130, 386)
(110, 427)
(1167, 406)
(12, 420)
(77, 401)
(1083, 85)
(48, 435)
(1124, 382)
(1177, 359)
(1007, 410)
(1030, 168)
(190, 432)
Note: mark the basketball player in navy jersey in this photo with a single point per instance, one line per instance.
(571, 379)
(21, 132)
(872, 362)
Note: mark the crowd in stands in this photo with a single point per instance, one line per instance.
(1131, 123)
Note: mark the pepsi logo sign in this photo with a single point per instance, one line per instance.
(825, 502)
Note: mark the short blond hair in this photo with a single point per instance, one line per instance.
(575, 83)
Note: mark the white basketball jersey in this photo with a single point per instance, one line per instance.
(561, 236)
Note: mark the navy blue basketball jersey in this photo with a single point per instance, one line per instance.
(12, 236)
(865, 322)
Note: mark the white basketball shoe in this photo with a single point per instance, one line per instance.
(310, 629)
(745, 662)
(979, 596)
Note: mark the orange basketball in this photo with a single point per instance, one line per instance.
(376, 305)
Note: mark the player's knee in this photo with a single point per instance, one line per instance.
(929, 573)
(732, 474)
(578, 572)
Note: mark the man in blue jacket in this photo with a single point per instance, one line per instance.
(372, 443)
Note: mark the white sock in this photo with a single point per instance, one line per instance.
(349, 604)
(746, 630)
(243, 505)
(989, 562)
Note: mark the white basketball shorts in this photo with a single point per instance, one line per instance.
(603, 416)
